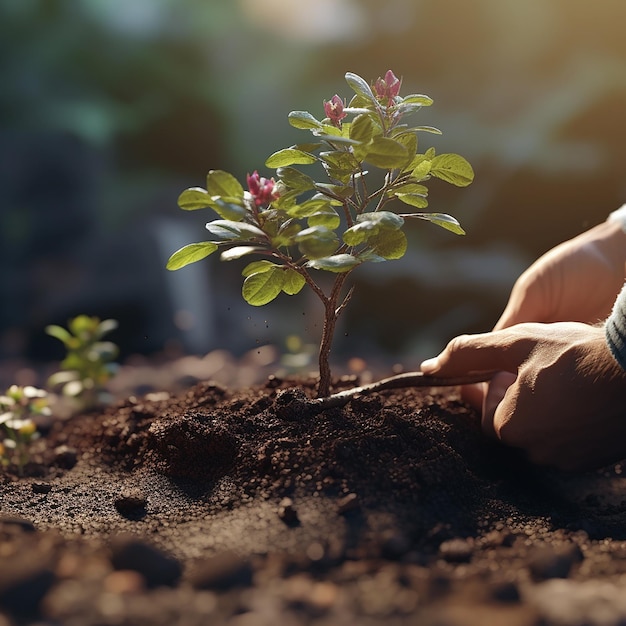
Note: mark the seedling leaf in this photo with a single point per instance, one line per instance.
(452, 168)
(337, 263)
(190, 253)
(290, 156)
(262, 287)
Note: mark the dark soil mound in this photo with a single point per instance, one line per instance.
(215, 506)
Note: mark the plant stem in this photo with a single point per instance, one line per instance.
(331, 314)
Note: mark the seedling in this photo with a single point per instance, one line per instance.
(303, 229)
(17, 408)
(88, 365)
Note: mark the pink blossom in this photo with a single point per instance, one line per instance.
(261, 189)
(334, 110)
(388, 88)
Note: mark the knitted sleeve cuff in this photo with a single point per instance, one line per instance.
(615, 328)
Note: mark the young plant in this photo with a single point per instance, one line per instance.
(88, 365)
(303, 228)
(17, 428)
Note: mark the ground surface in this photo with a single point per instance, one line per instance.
(212, 506)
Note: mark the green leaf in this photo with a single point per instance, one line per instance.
(290, 156)
(360, 86)
(315, 232)
(329, 132)
(337, 263)
(358, 233)
(338, 139)
(303, 120)
(339, 160)
(190, 254)
(421, 171)
(409, 141)
(389, 244)
(371, 224)
(309, 207)
(440, 219)
(386, 153)
(62, 377)
(308, 146)
(335, 191)
(413, 199)
(220, 183)
(420, 99)
(194, 198)
(106, 326)
(409, 187)
(293, 282)
(59, 333)
(362, 128)
(262, 287)
(317, 241)
(359, 102)
(286, 233)
(339, 165)
(237, 252)
(230, 230)
(327, 217)
(294, 179)
(229, 209)
(452, 168)
(427, 129)
(74, 388)
(257, 267)
(383, 219)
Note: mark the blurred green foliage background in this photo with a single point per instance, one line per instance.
(109, 108)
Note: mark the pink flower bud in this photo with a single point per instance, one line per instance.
(334, 110)
(388, 88)
(261, 189)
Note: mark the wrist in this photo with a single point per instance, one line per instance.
(611, 239)
(615, 329)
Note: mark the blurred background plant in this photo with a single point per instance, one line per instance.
(18, 407)
(89, 363)
(109, 108)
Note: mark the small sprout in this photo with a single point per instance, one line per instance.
(374, 182)
(89, 363)
(18, 406)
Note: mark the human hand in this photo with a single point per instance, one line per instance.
(557, 392)
(577, 281)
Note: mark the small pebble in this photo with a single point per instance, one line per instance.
(41, 487)
(131, 501)
(546, 562)
(224, 571)
(348, 503)
(124, 582)
(18, 522)
(505, 591)
(456, 550)
(65, 456)
(24, 581)
(157, 568)
(287, 512)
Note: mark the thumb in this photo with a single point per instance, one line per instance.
(502, 350)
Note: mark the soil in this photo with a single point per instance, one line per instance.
(214, 506)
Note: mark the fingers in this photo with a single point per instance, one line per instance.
(474, 394)
(503, 350)
(497, 407)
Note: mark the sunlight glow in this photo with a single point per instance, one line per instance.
(308, 21)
